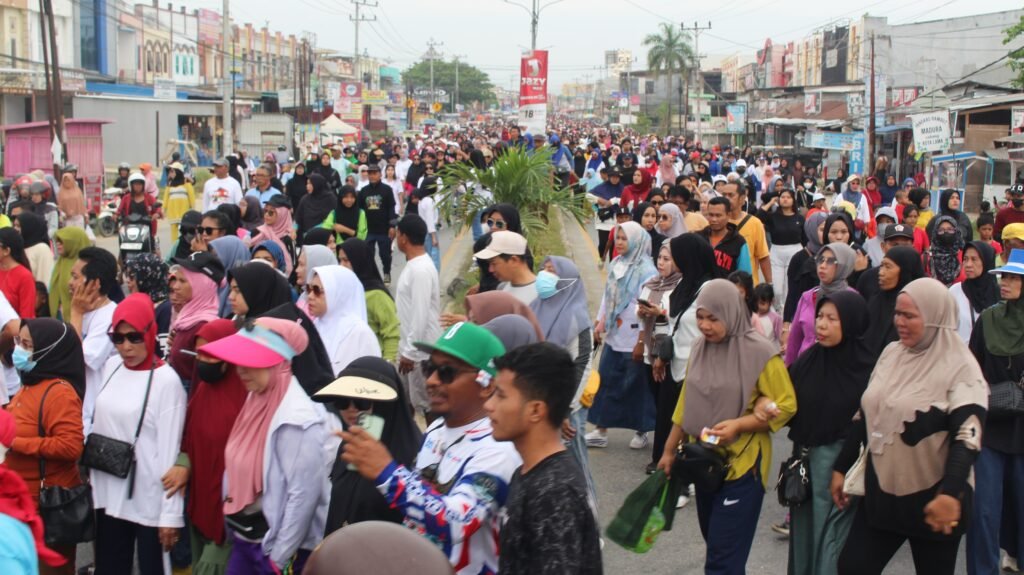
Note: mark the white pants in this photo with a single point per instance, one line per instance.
(780, 258)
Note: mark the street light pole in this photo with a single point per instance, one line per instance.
(534, 12)
(228, 102)
(697, 29)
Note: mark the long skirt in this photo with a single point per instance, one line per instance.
(780, 256)
(818, 529)
(623, 400)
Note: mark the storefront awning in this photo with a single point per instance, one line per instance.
(801, 122)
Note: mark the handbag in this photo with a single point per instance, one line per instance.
(704, 466)
(67, 514)
(794, 486)
(114, 456)
(1005, 400)
(647, 511)
(853, 483)
(251, 525)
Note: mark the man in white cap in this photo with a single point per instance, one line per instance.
(507, 256)
(221, 188)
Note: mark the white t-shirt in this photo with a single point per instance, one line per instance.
(525, 293)
(217, 191)
(11, 381)
(97, 348)
(418, 301)
(427, 209)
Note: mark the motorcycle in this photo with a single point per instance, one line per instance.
(106, 220)
(135, 237)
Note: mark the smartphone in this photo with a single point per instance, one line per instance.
(644, 302)
(373, 424)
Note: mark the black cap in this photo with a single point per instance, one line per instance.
(1017, 189)
(614, 172)
(899, 231)
(204, 263)
(373, 167)
(280, 201)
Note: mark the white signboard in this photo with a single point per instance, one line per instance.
(931, 131)
(164, 89)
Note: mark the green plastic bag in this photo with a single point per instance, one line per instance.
(641, 518)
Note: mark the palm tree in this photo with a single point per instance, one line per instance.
(668, 52)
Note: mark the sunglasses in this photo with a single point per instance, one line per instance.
(664, 217)
(269, 212)
(134, 338)
(656, 204)
(344, 403)
(445, 373)
(207, 231)
(497, 224)
(318, 291)
(826, 260)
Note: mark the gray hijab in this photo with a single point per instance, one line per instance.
(563, 316)
(317, 256)
(811, 231)
(513, 330)
(846, 258)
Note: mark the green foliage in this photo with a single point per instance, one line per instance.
(668, 52)
(1016, 56)
(523, 179)
(474, 84)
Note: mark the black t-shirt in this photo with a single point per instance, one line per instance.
(550, 526)
(784, 230)
(378, 202)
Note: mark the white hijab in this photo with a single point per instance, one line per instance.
(346, 310)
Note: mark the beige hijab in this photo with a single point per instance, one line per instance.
(908, 380)
(70, 198)
(721, 377)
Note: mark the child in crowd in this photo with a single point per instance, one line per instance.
(769, 320)
(986, 224)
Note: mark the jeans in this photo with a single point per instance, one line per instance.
(578, 447)
(381, 243)
(434, 252)
(728, 521)
(998, 482)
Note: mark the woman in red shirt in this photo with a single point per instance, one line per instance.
(16, 281)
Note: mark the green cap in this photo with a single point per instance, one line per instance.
(470, 343)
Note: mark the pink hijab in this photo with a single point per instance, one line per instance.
(243, 455)
(203, 305)
(668, 170)
(281, 228)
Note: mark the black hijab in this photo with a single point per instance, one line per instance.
(882, 306)
(253, 217)
(58, 351)
(360, 257)
(262, 287)
(317, 237)
(695, 258)
(832, 219)
(315, 206)
(982, 291)
(354, 499)
(476, 157)
(348, 217)
(33, 229)
(234, 214)
(190, 219)
(312, 368)
(416, 171)
(829, 381)
(295, 189)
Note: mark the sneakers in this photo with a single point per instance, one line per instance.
(387, 278)
(651, 468)
(639, 441)
(782, 528)
(682, 501)
(596, 438)
(1008, 564)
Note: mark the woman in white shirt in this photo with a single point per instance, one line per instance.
(391, 179)
(979, 290)
(337, 304)
(426, 207)
(137, 387)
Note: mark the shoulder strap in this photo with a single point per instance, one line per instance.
(42, 431)
(743, 222)
(145, 403)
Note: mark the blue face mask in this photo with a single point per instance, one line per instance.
(22, 359)
(547, 284)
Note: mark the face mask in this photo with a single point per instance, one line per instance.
(741, 170)
(22, 359)
(882, 228)
(210, 372)
(945, 239)
(547, 284)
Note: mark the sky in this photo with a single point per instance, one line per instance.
(492, 34)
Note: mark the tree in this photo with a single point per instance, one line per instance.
(1016, 56)
(474, 84)
(668, 52)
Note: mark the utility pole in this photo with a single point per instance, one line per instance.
(228, 111)
(431, 54)
(455, 101)
(356, 20)
(51, 114)
(54, 92)
(696, 29)
(534, 11)
(870, 160)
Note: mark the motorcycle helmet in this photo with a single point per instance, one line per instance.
(136, 177)
(124, 166)
(40, 187)
(26, 181)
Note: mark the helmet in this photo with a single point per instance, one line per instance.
(24, 181)
(69, 168)
(40, 187)
(136, 177)
(124, 166)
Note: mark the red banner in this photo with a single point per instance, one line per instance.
(533, 82)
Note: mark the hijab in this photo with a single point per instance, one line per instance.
(628, 272)
(851, 196)
(695, 258)
(811, 231)
(346, 305)
(208, 420)
(838, 217)
(354, 499)
(316, 256)
(983, 291)
(281, 229)
(678, 225)
(261, 286)
(312, 367)
(360, 257)
(73, 239)
(231, 251)
(348, 217)
(247, 442)
(295, 189)
(315, 206)
(899, 388)
(57, 350)
(192, 219)
(1004, 327)
(721, 377)
(656, 238)
(137, 311)
(667, 169)
(275, 252)
(641, 190)
(595, 162)
(563, 316)
(317, 237)
(488, 305)
(846, 259)
(945, 259)
(513, 330)
(829, 396)
(150, 273)
(203, 305)
(33, 229)
(882, 305)
(70, 198)
(253, 212)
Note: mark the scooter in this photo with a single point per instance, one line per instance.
(135, 237)
(106, 220)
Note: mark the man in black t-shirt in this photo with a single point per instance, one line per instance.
(377, 200)
(550, 526)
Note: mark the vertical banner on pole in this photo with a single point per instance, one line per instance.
(533, 92)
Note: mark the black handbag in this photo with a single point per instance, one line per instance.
(1005, 400)
(114, 456)
(249, 525)
(794, 486)
(702, 466)
(67, 514)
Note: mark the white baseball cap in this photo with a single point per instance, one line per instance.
(503, 243)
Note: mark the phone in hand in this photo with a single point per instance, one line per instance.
(373, 424)
(644, 302)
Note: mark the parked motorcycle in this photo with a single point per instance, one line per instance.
(106, 221)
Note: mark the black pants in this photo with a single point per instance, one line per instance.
(382, 243)
(116, 541)
(868, 550)
(602, 242)
(666, 395)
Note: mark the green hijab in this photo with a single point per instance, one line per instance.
(74, 240)
(1004, 328)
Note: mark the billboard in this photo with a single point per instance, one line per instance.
(931, 131)
(833, 56)
(533, 92)
(736, 118)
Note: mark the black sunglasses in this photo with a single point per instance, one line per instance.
(656, 203)
(343, 403)
(498, 224)
(134, 337)
(207, 231)
(445, 373)
(315, 290)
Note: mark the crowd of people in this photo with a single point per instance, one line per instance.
(231, 406)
